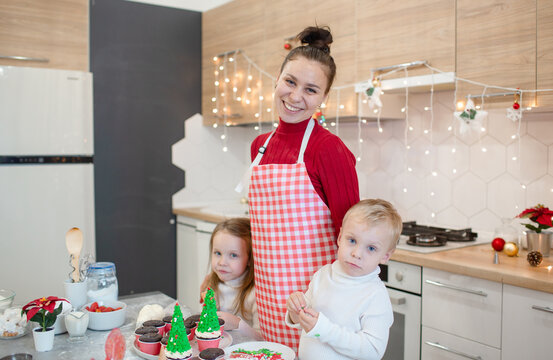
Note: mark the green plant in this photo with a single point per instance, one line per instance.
(43, 311)
(540, 215)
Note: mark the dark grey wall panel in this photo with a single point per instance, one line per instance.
(146, 63)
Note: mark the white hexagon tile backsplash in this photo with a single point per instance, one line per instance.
(432, 173)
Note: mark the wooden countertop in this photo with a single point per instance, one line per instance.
(476, 261)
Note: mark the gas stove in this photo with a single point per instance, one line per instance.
(429, 239)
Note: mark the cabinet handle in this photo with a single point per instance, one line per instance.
(542, 308)
(24, 58)
(453, 351)
(453, 287)
(397, 300)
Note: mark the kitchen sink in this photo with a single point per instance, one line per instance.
(234, 209)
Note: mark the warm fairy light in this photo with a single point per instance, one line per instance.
(216, 72)
(477, 107)
(248, 101)
(261, 97)
(432, 193)
(402, 109)
(256, 127)
(484, 149)
(514, 136)
(215, 126)
(528, 108)
(256, 115)
(231, 59)
(216, 83)
(225, 108)
(364, 101)
(426, 152)
(323, 105)
(409, 169)
(221, 67)
(215, 58)
(453, 150)
(341, 106)
(454, 171)
(549, 268)
(332, 123)
(434, 173)
(275, 125)
(408, 147)
(250, 77)
(239, 98)
(234, 89)
(426, 108)
(483, 129)
(523, 186)
(433, 215)
(404, 190)
(268, 110)
(460, 105)
(364, 121)
(249, 89)
(228, 123)
(425, 131)
(358, 158)
(360, 140)
(410, 128)
(514, 158)
(227, 80)
(213, 99)
(223, 137)
(223, 94)
(380, 130)
(375, 111)
(449, 128)
(225, 149)
(215, 111)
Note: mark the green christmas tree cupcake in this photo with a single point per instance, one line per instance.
(178, 347)
(208, 333)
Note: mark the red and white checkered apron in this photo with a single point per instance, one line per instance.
(293, 236)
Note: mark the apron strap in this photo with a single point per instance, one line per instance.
(245, 182)
(305, 139)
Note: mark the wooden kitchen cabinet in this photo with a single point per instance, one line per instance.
(439, 345)
(545, 52)
(496, 45)
(56, 30)
(462, 306)
(527, 324)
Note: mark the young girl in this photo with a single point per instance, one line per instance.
(231, 276)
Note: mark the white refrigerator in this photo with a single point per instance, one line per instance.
(46, 176)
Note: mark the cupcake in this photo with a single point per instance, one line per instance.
(222, 324)
(208, 332)
(158, 324)
(144, 330)
(167, 320)
(190, 334)
(212, 354)
(164, 342)
(150, 343)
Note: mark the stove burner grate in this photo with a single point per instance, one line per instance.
(430, 236)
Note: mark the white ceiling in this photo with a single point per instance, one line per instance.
(194, 5)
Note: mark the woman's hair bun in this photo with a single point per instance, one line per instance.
(318, 37)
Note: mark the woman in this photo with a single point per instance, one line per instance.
(303, 181)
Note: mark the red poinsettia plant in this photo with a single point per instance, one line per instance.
(43, 311)
(540, 215)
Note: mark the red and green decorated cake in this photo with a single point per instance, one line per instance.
(178, 347)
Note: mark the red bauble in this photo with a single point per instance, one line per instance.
(287, 46)
(516, 106)
(498, 244)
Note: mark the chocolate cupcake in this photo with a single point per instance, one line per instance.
(150, 338)
(158, 324)
(195, 318)
(190, 323)
(145, 330)
(168, 319)
(164, 340)
(211, 354)
(150, 343)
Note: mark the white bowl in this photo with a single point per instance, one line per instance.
(106, 320)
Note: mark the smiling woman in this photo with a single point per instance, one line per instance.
(303, 182)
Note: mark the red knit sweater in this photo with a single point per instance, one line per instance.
(329, 163)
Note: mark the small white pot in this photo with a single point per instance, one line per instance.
(44, 340)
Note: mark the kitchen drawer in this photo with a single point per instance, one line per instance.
(438, 345)
(462, 306)
(527, 324)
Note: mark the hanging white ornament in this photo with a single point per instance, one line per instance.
(470, 119)
(374, 97)
(514, 114)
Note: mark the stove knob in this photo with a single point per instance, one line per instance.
(399, 276)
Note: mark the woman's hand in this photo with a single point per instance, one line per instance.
(203, 289)
(231, 321)
(308, 319)
(295, 303)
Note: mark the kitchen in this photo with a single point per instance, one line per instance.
(487, 186)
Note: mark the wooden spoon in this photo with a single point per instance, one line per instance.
(74, 244)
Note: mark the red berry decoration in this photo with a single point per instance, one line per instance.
(516, 106)
(498, 244)
(287, 46)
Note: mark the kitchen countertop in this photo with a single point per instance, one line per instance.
(93, 346)
(475, 261)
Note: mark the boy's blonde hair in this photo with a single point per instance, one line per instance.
(239, 227)
(377, 211)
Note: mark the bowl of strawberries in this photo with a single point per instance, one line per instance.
(105, 315)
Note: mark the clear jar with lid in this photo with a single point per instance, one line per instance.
(102, 282)
(506, 231)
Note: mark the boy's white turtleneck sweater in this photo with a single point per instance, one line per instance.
(227, 293)
(355, 315)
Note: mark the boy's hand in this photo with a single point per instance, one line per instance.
(308, 319)
(295, 303)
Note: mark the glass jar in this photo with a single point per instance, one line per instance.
(102, 282)
(507, 232)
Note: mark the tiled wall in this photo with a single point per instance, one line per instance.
(441, 177)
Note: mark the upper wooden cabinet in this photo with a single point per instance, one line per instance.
(496, 45)
(491, 42)
(56, 30)
(545, 52)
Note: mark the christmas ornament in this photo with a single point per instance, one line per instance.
(319, 116)
(498, 244)
(287, 45)
(534, 258)
(514, 112)
(511, 249)
(374, 92)
(470, 119)
(178, 346)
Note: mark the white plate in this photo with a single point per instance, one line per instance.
(14, 337)
(287, 353)
(226, 340)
